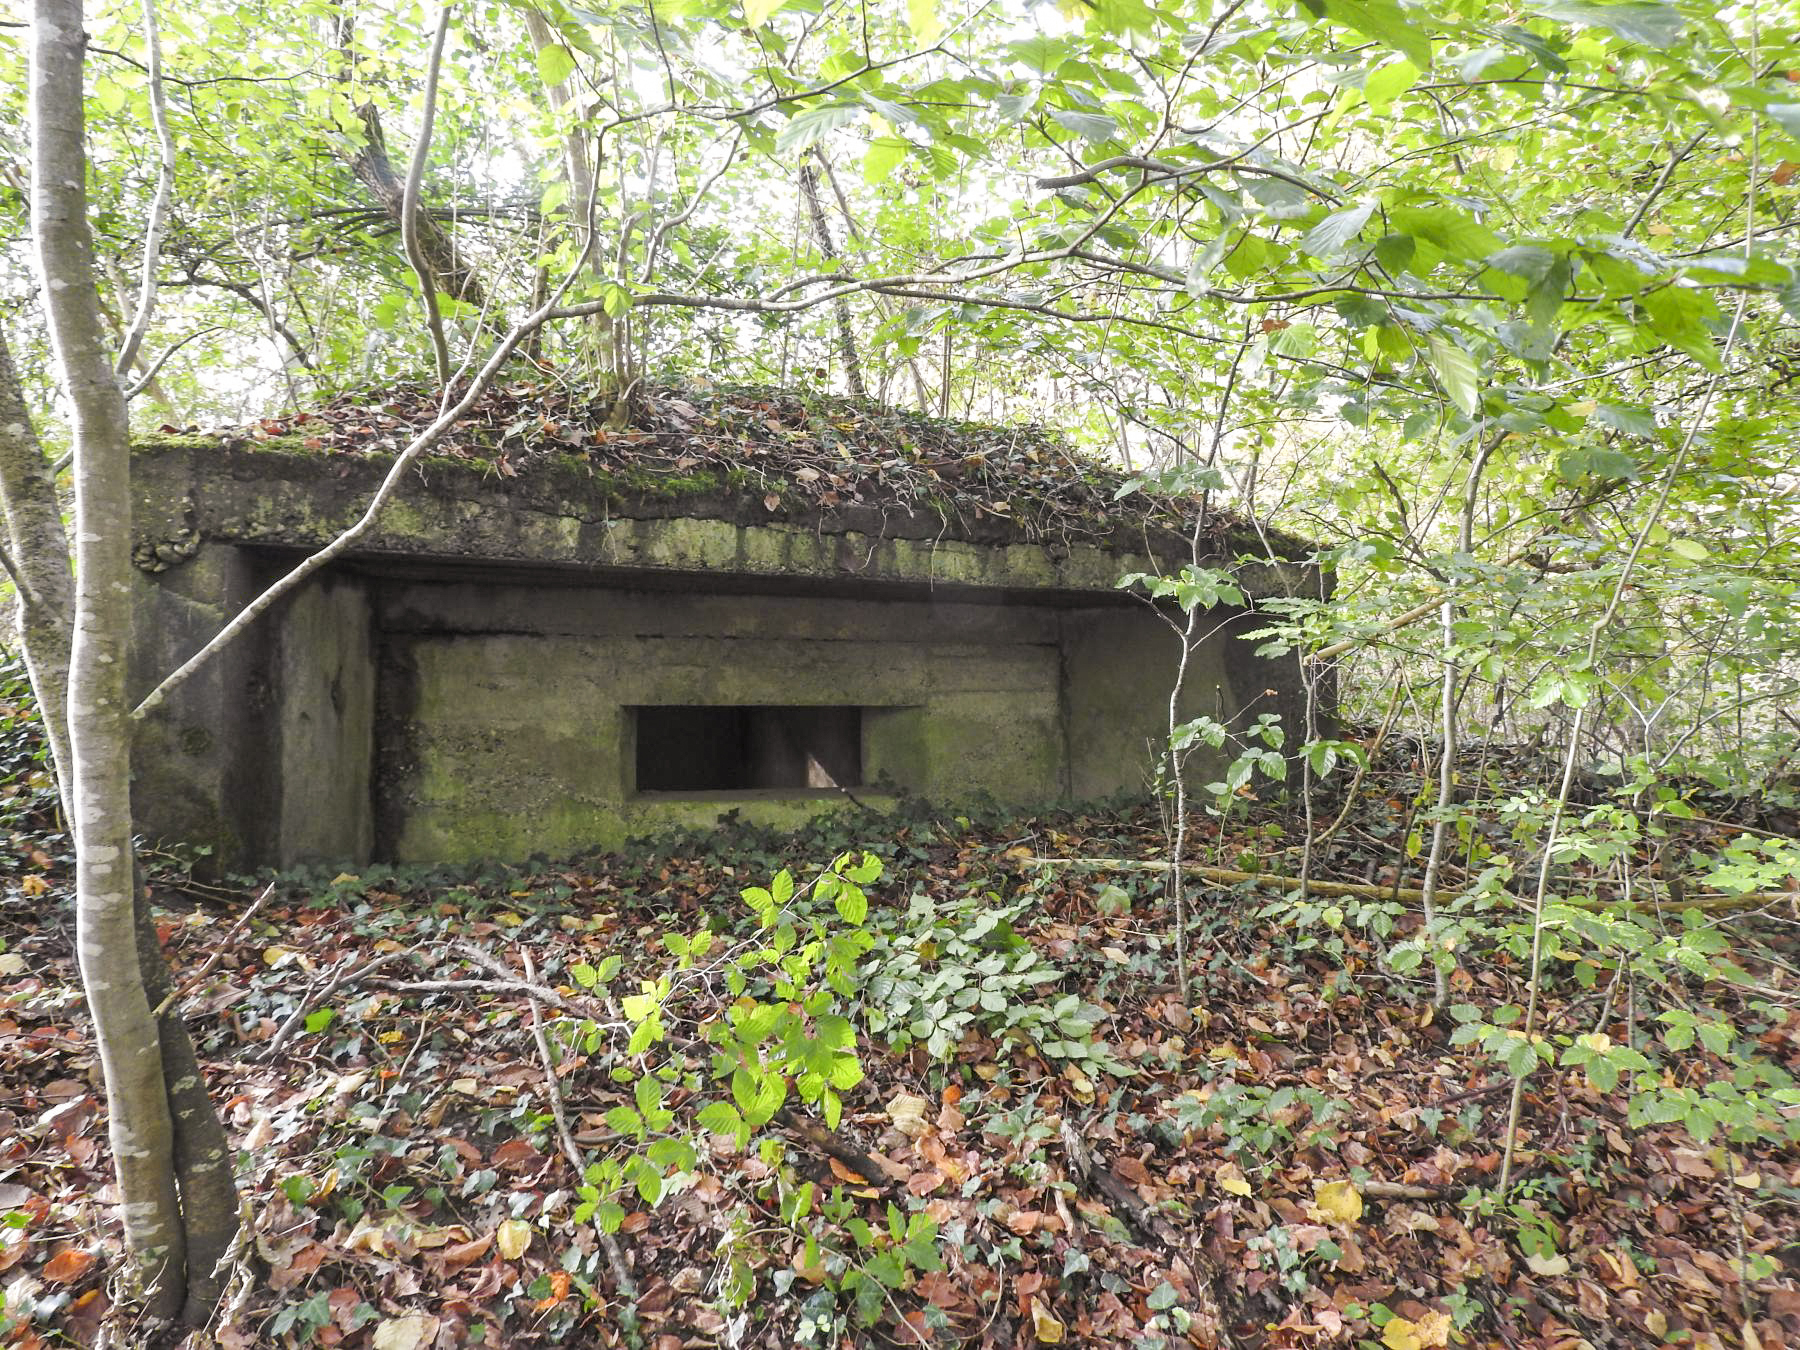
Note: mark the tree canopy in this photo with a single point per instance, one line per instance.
(1331, 250)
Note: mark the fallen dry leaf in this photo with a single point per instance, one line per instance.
(68, 1265)
(405, 1333)
(1339, 1202)
(909, 1114)
(512, 1238)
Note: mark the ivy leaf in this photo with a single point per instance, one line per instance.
(1455, 370)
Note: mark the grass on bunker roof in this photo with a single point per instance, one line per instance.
(1297, 1158)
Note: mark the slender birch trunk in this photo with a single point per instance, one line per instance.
(580, 169)
(125, 1031)
(39, 550)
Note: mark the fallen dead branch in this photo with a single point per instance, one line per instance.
(877, 1171)
(1093, 1175)
(1706, 904)
(615, 1257)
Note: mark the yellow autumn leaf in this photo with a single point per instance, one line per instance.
(1231, 1179)
(1434, 1329)
(512, 1238)
(405, 1333)
(908, 1113)
(1400, 1334)
(1339, 1202)
(1048, 1330)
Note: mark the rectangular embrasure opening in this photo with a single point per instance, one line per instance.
(706, 748)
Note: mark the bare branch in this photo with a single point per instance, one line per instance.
(143, 382)
(159, 207)
(12, 573)
(654, 244)
(809, 191)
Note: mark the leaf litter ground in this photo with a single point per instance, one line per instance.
(1286, 1164)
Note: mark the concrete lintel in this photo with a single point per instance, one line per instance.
(564, 516)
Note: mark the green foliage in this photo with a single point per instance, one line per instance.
(1257, 1121)
(28, 800)
(782, 1033)
(941, 969)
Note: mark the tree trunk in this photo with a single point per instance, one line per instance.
(455, 276)
(809, 189)
(202, 1152)
(600, 336)
(114, 940)
(40, 551)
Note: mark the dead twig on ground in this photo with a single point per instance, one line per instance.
(318, 994)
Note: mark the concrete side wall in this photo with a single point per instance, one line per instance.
(264, 755)
(199, 764)
(1120, 668)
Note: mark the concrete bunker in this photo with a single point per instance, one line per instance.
(554, 662)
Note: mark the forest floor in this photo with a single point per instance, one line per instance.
(1073, 1154)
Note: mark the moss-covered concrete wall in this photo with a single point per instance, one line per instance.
(505, 726)
(461, 687)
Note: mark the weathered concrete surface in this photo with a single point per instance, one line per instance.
(566, 514)
(462, 687)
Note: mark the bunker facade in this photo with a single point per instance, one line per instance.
(554, 662)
